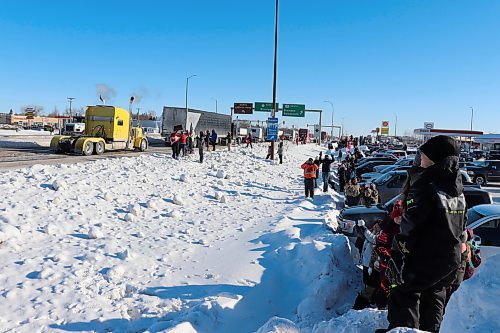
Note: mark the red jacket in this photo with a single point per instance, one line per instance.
(184, 138)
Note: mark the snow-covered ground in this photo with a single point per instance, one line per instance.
(24, 139)
(153, 244)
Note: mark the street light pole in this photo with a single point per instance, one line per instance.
(471, 117)
(333, 113)
(275, 72)
(187, 88)
(216, 102)
(70, 100)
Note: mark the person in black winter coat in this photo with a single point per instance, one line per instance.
(342, 173)
(325, 162)
(317, 161)
(427, 252)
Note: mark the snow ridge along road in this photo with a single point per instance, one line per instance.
(148, 242)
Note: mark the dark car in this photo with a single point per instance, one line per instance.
(368, 166)
(348, 216)
(494, 155)
(485, 221)
(377, 158)
(484, 171)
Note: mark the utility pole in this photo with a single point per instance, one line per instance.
(396, 126)
(215, 99)
(471, 119)
(70, 100)
(333, 112)
(275, 72)
(187, 89)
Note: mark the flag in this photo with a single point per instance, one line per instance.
(100, 97)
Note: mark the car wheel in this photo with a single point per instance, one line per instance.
(479, 180)
(99, 148)
(88, 148)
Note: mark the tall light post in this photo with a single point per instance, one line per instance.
(70, 100)
(471, 119)
(216, 103)
(187, 88)
(333, 113)
(471, 116)
(275, 72)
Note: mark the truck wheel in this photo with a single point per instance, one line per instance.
(88, 148)
(99, 148)
(144, 145)
(479, 180)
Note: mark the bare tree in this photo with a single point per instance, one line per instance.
(54, 112)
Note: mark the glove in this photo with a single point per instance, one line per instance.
(360, 231)
(394, 271)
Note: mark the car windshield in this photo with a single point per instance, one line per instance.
(382, 179)
(473, 216)
(387, 169)
(481, 163)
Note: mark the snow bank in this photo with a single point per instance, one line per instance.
(474, 306)
(278, 325)
(364, 321)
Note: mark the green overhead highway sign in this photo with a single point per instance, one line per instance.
(265, 107)
(294, 110)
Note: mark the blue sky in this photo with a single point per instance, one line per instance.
(374, 59)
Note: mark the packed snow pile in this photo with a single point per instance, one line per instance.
(130, 248)
(474, 306)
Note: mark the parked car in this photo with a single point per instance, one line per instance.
(368, 166)
(463, 165)
(371, 176)
(348, 216)
(392, 183)
(377, 158)
(485, 221)
(484, 171)
(398, 153)
(493, 155)
(403, 162)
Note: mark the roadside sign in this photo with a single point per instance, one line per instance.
(243, 108)
(265, 107)
(272, 129)
(385, 130)
(428, 125)
(385, 124)
(294, 110)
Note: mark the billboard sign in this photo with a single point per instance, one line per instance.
(243, 108)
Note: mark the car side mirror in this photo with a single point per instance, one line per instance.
(477, 239)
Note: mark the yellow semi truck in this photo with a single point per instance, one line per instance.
(106, 128)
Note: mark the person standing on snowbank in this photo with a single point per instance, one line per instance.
(427, 252)
(326, 162)
(199, 141)
(280, 152)
(309, 176)
(213, 139)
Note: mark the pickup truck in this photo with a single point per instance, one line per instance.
(484, 171)
(348, 216)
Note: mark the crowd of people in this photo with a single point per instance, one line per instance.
(416, 258)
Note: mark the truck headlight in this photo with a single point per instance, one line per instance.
(470, 172)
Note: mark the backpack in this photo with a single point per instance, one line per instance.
(474, 261)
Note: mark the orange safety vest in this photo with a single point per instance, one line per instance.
(309, 170)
